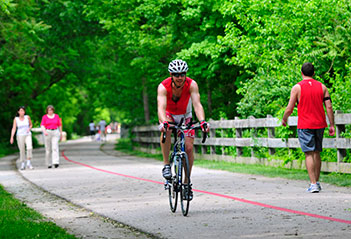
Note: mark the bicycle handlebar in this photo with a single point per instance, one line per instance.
(190, 126)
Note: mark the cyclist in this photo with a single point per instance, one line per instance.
(175, 97)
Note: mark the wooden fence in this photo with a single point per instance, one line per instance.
(149, 138)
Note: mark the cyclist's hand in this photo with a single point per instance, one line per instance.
(163, 127)
(205, 127)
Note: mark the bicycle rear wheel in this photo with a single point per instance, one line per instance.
(185, 202)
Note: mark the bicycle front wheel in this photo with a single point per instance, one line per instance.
(173, 186)
(173, 194)
(185, 188)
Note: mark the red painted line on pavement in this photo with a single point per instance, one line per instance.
(217, 194)
(110, 172)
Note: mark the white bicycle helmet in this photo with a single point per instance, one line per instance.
(177, 66)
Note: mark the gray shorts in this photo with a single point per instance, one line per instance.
(310, 139)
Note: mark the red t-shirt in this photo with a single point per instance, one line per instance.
(51, 123)
(310, 110)
(179, 107)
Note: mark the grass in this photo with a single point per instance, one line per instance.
(338, 179)
(19, 221)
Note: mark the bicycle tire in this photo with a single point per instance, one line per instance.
(185, 203)
(173, 196)
(173, 188)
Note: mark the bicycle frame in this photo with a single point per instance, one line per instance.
(179, 152)
(180, 160)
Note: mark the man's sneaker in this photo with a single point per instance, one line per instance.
(188, 193)
(166, 172)
(313, 188)
(319, 186)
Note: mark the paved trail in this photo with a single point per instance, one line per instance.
(225, 205)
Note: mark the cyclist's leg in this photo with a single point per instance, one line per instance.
(189, 145)
(166, 146)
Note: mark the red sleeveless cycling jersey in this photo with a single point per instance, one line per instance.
(310, 108)
(179, 107)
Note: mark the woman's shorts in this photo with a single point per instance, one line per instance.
(310, 139)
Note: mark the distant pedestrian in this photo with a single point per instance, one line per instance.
(97, 136)
(102, 125)
(51, 126)
(310, 95)
(92, 130)
(23, 125)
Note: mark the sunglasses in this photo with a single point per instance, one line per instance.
(178, 74)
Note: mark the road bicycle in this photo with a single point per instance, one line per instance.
(180, 182)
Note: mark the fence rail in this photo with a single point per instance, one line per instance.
(148, 136)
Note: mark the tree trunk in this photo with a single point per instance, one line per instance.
(146, 101)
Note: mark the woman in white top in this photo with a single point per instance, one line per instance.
(23, 124)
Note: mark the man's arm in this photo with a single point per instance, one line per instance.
(291, 105)
(161, 103)
(195, 98)
(329, 108)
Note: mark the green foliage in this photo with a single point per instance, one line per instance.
(87, 57)
(5, 149)
(6, 6)
(44, 55)
(271, 40)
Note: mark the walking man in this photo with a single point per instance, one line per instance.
(310, 95)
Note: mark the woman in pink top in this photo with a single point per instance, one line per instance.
(51, 126)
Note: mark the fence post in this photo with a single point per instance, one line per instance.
(253, 136)
(238, 134)
(271, 134)
(222, 147)
(212, 135)
(341, 153)
(154, 146)
(203, 148)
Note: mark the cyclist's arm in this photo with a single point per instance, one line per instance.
(195, 98)
(291, 105)
(161, 103)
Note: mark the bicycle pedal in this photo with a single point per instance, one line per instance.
(167, 185)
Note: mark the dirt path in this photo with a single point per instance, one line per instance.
(226, 205)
